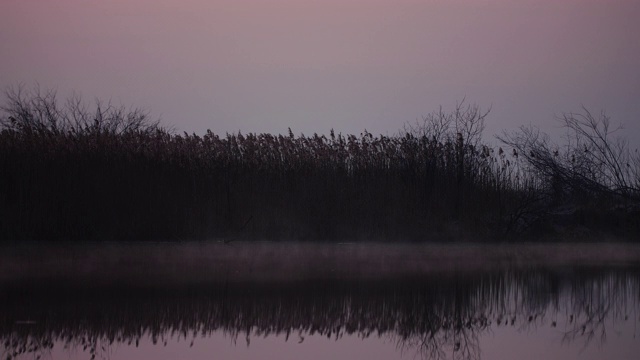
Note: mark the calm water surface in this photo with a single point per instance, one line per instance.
(313, 301)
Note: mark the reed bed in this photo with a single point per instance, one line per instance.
(67, 173)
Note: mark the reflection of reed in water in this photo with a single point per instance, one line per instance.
(580, 307)
(437, 316)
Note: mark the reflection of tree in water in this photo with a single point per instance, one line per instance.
(592, 304)
(471, 309)
(439, 317)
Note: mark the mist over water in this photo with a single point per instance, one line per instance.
(197, 299)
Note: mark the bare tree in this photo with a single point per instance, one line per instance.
(465, 121)
(39, 111)
(598, 155)
(591, 162)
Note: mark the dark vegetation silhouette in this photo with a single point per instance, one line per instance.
(68, 172)
(437, 317)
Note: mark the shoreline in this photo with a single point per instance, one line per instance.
(154, 263)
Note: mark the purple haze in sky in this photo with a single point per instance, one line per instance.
(264, 66)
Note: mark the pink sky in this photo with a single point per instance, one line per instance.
(263, 66)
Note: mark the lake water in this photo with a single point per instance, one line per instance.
(317, 301)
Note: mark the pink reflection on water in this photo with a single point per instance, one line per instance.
(542, 341)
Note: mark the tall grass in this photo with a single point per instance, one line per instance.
(70, 173)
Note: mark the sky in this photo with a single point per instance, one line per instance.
(316, 65)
